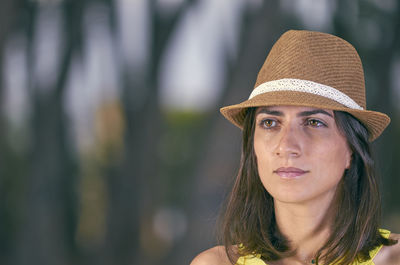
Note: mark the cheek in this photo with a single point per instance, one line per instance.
(264, 158)
(331, 161)
(262, 150)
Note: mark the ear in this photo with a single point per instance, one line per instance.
(349, 158)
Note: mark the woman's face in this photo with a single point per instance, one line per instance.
(301, 155)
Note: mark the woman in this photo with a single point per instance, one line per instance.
(306, 191)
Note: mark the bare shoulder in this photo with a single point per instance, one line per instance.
(212, 256)
(389, 255)
(395, 236)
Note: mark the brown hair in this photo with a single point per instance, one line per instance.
(249, 219)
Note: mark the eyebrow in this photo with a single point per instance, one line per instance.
(301, 114)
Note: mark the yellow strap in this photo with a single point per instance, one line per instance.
(250, 260)
(385, 233)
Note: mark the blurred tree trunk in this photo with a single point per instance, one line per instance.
(50, 210)
(9, 13)
(132, 185)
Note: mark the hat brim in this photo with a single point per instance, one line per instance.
(375, 122)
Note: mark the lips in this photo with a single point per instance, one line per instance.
(290, 172)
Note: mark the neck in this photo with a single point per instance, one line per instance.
(307, 226)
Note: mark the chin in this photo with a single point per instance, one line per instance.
(291, 198)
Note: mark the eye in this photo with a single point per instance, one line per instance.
(268, 123)
(315, 123)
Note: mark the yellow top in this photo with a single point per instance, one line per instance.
(256, 260)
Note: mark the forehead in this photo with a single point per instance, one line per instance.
(282, 110)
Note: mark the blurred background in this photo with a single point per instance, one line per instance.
(112, 149)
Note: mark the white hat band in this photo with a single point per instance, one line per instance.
(299, 85)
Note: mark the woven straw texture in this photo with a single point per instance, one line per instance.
(317, 57)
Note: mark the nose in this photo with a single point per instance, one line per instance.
(288, 143)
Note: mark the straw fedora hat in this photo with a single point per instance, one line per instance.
(306, 68)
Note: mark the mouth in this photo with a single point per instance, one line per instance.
(290, 172)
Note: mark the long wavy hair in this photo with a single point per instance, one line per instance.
(248, 223)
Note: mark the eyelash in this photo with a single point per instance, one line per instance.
(306, 122)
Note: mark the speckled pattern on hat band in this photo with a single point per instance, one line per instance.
(306, 86)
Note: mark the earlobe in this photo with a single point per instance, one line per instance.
(348, 160)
